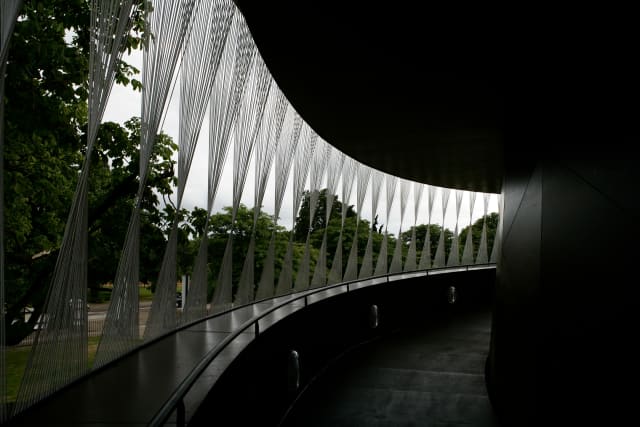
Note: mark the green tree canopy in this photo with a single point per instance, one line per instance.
(301, 225)
(434, 237)
(220, 229)
(476, 232)
(45, 137)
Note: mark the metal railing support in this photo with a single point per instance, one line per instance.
(176, 400)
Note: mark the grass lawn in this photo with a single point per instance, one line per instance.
(99, 297)
(145, 294)
(17, 358)
(104, 295)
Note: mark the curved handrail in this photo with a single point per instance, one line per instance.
(176, 398)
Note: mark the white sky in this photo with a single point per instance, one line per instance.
(124, 103)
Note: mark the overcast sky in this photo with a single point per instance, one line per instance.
(125, 103)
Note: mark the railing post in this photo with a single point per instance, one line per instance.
(373, 316)
(293, 372)
(305, 301)
(256, 327)
(452, 294)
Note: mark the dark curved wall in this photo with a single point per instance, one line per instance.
(564, 339)
(426, 79)
(554, 90)
(254, 389)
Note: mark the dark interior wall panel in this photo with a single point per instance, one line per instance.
(512, 362)
(566, 311)
(589, 358)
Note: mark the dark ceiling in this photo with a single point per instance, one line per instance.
(415, 92)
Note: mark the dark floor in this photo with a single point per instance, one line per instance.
(428, 375)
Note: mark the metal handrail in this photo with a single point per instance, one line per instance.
(176, 400)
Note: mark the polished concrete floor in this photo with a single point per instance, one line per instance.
(431, 374)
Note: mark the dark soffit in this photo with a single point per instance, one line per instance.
(413, 92)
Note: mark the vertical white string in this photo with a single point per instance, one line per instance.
(483, 252)
(302, 275)
(467, 253)
(425, 257)
(335, 161)
(8, 14)
(206, 52)
(363, 174)
(439, 259)
(497, 241)
(348, 177)
(454, 252)
(223, 109)
(411, 263)
(305, 150)
(266, 145)
(396, 261)
(259, 97)
(265, 150)
(198, 79)
(381, 265)
(247, 127)
(367, 260)
(285, 152)
(318, 171)
(62, 346)
(334, 171)
(247, 90)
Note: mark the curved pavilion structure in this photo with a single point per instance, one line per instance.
(364, 100)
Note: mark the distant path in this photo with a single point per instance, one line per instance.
(99, 311)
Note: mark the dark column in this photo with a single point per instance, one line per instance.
(565, 327)
(511, 365)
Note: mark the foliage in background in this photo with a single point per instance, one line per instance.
(476, 232)
(45, 136)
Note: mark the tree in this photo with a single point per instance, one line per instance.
(301, 226)
(220, 228)
(113, 184)
(434, 237)
(45, 135)
(476, 232)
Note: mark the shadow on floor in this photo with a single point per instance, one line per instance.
(431, 374)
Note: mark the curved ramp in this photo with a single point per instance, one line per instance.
(167, 380)
(428, 374)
